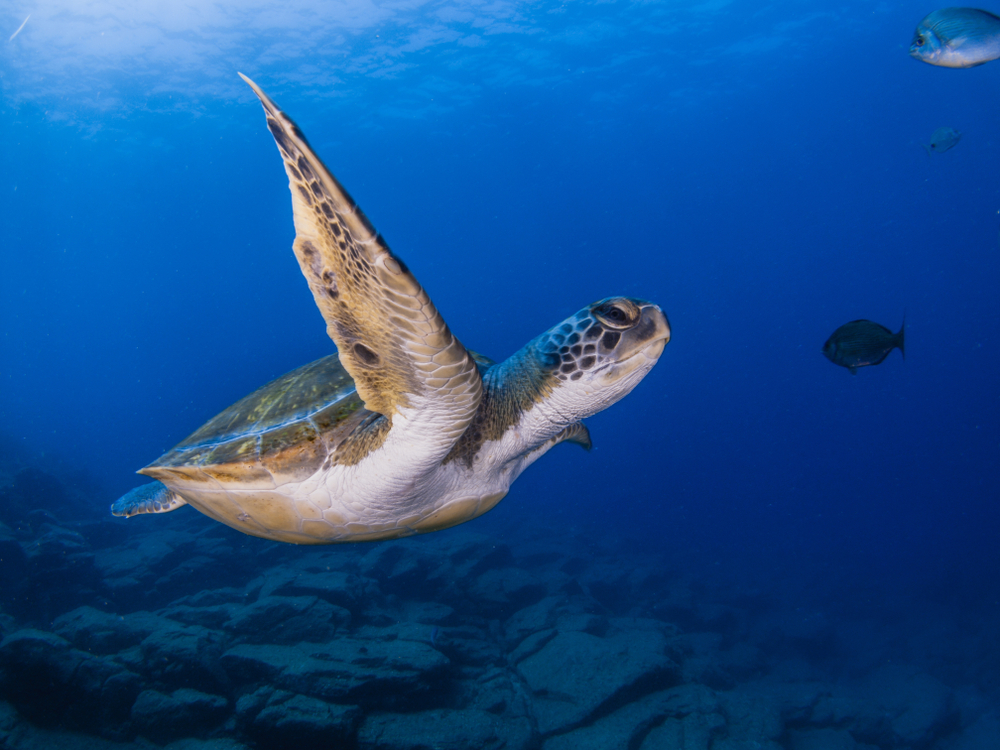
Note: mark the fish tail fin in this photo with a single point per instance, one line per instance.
(901, 337)
(926, 148)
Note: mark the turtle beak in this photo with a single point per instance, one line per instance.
(641, 345)
(652, 332)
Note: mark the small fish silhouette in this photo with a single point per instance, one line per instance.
(942, 139)
(861, 343)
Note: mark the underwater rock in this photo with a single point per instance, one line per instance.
(288, 619)
(730, 744)
(534, 618)
(501, 590)
(444, 730)
(751, 715)
(980, 734)
(625, 728)
(705, 661)
(693, 732)
(576, 673)
(249, 705)
(531, 645)
(213, 597)
(552, 610)
(428, 613)
(215, 743)
(397, 567)
(51, 682)
(8, 720)
(29, 490)
(60, 571)
(585, 623)
(213, 617)
(131, 571)
(340, 589)
(470, 553)
(919, 706)
(184, 712)
(13, 566)
(293, 721)
(496, 691)
(105, 633)
(468, 645)
(608, 583)
(821, 739)
(184, 655)
(366, 672)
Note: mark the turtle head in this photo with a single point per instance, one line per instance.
(597, 356)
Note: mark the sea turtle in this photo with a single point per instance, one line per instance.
(404, 430)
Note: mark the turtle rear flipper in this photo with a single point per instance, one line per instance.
(154, 497)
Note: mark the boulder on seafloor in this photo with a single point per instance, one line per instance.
(53, 683)
(626, 728)
(184, 712)
(100, 632)
(693, 732)
(214, 743)
(288, 619)
(347, 670)
(8, 720)
(576, 673)
(504, 590)
(752, 715)
(821, 739)
(730, 744)
(561, 610)
(469, 646)
(298, 721)
(497, 691)
(443, 729)
(213, 617)
(919, 706)
(184, 655)
(339, 588)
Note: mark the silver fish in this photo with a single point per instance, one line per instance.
(957, 38)
(861, 343)
(942, 139)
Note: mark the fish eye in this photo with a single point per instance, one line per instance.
(919, 41)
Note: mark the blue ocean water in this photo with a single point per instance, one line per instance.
(756, 170)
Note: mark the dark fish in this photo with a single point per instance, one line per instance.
(861, 343)
(957, 38)
(942, 139)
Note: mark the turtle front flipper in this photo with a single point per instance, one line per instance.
(154, 497)
(391, 339)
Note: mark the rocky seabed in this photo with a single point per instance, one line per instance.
(177, 632)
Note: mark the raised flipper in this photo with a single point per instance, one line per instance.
(154, 497)
(390, 337)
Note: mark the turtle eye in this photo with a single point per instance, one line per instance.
(613, 316)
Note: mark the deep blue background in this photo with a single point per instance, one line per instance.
(755, 171)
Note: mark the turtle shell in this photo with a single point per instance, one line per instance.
(287, 427)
